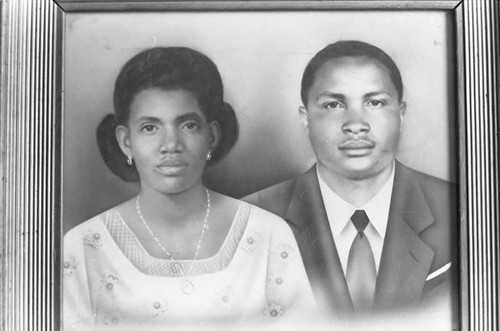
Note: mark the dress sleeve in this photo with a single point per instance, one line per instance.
(288, 291)
(77, 308)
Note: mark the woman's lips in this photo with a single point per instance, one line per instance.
(171, 167)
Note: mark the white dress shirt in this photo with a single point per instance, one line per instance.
(339, 214)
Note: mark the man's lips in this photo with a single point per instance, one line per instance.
(356, 145)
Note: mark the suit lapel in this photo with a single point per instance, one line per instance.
(321, 259)
(406, 259)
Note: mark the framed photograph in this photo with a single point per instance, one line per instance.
(61, 58)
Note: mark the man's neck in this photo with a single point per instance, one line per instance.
(357, 192)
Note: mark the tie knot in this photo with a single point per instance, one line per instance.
(360, 220)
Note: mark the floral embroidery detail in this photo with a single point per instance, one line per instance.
(69, 266)
(93, 240)
(226, 299)
(284, 252)
(250, 242)
(225, 296)
(275, 287)
(110, 281)
(158, 308)
(110, 320)
(274, 309)
(113, 318)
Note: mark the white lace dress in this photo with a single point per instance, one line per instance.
(109, 278)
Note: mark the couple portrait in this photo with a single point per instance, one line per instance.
(265, 181)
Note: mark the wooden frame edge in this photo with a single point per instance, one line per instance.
(30, 145)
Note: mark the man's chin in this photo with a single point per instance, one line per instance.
(359, 176)
(363, 170)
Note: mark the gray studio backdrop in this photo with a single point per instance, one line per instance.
(261, 57)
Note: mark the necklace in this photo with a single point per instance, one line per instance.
(188, 286)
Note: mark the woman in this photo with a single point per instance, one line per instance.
(177, 252)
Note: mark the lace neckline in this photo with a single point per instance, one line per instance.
(133, 250)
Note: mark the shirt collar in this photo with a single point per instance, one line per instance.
(339, 211)
(378, 207)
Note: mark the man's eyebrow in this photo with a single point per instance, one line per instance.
(189, 116)
(372, 94)
(329, 94)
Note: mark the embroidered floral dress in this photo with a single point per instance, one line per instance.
(109, 278)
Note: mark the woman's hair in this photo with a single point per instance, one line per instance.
(166, 68)
(349, 48)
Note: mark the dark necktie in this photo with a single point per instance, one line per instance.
(361, 272)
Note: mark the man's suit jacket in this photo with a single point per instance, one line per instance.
(420, 241)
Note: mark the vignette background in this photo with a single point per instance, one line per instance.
(261, 57)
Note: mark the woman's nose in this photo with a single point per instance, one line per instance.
(171, 142)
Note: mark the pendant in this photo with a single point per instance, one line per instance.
(187, 287)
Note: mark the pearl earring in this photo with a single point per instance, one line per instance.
(129, 160)
(209, 156)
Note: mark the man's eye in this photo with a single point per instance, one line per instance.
(191, 126)
(333, 105)
(148, 128)
(375, 103)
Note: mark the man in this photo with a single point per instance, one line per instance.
(373, 234)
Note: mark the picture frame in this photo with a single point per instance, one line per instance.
(31, 127)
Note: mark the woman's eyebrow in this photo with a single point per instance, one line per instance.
(189, 116)
(148, 119)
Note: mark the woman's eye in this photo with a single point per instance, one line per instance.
(375, 103)
(148, 128)
(191, 126)
(333, 105)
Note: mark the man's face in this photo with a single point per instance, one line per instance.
(353, 118)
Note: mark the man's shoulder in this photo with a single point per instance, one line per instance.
(440, 199)
(436, 190)
(428, 179)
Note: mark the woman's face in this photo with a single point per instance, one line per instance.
(168, 138)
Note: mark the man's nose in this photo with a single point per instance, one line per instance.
(356, 122)
(171, 142)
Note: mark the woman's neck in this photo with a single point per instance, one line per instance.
(175, 209)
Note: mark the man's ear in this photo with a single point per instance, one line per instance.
(123, 137)
(304, 119)
(402, 113)
(215, 135)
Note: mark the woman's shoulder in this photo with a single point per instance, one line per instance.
(264, 220)
(99, 220)
(95, 224)
(265, 215)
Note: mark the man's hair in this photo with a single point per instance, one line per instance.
(349, 48)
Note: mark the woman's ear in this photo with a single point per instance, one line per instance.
(215, 135)
(123, 138)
